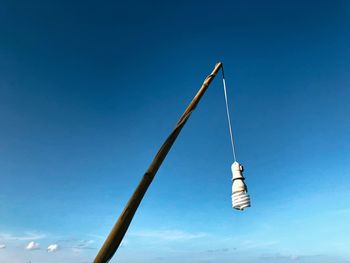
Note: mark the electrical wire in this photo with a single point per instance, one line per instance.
(228, 115)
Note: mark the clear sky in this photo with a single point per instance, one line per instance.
(90, 89)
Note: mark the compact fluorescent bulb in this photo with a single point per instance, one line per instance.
(240, 196)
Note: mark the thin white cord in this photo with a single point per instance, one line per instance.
(229, 120)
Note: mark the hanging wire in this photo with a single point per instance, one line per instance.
(228, 115)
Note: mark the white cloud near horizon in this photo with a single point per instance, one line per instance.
(52, 248)
(33, 246)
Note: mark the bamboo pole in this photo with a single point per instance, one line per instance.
(117, 233)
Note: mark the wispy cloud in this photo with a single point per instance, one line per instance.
(84, 244)
(25, 237)
(33, 246)
(97, 236)
(77, 245)
(280, 257)
(2, 246)
(342, 211)
(256, 243)
(219, 250)
(52, 248)
(170, 235)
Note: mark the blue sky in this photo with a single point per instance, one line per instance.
(89, 91)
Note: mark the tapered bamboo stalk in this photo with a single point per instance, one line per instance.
(117, 233)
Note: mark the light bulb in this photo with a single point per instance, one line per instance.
(240, 196)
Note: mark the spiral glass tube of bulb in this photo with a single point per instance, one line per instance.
(240, 200)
